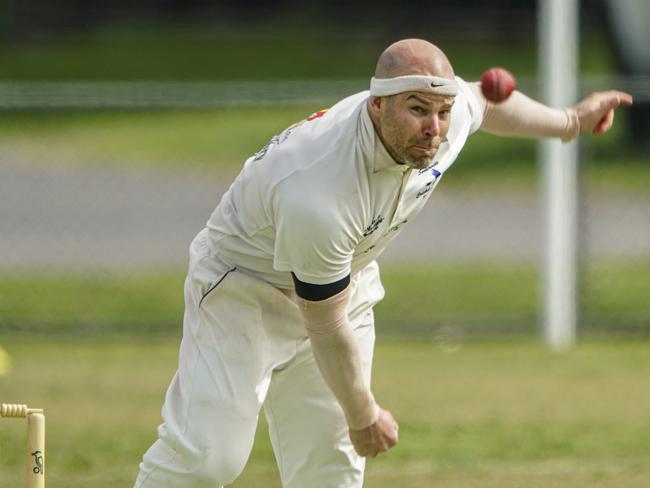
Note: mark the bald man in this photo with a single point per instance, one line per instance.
(283, 279)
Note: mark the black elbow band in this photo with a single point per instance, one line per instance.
(317, 293)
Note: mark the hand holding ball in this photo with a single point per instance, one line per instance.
(497, 84)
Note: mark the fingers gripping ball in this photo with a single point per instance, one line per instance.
(497, 84)
(5, 362)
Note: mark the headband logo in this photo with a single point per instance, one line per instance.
(381, 87)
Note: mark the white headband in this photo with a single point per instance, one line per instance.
(382, 87)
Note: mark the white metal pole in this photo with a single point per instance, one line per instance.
(558, 41)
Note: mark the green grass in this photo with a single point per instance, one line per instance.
(445, 302)
(182, 54)
(489, 415)
(91, 303)
(293, 49)
(216, 141)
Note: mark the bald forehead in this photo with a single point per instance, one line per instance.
(413, 57)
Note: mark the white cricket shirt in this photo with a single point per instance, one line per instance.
(324, 198)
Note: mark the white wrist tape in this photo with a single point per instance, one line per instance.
(573, 128)
(337, 354)
(382, 87)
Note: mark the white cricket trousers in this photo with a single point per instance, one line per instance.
(244, 347)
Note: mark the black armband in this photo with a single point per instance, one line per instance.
(317, 293)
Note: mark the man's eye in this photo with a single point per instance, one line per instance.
(444, 113)
(418, 110)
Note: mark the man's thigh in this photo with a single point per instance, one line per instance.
(235, 334)
(306, 423)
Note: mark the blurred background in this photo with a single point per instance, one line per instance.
(122, 123)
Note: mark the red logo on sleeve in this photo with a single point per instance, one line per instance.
(316, 115)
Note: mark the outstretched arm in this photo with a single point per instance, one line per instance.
(324, 310)
(521, 116)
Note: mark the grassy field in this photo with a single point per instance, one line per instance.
(267, 50)
(501, 415)
(470, 300)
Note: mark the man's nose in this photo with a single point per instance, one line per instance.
(431, 127)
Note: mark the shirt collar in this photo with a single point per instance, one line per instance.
(374, 148)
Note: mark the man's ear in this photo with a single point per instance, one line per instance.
(376, 104)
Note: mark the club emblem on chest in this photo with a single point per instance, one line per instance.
(427, 188)
(374, 225)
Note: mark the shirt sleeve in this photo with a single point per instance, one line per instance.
(475, 103)
(311, 238)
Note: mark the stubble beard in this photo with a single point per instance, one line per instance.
(400, 153)
(416, 162)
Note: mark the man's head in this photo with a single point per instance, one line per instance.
(412, 124)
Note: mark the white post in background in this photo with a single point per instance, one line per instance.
(558, 41)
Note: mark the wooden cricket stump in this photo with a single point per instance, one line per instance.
(35, 440)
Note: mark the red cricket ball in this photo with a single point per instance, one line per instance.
(497, 84)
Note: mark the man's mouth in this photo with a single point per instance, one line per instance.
(425, 148)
